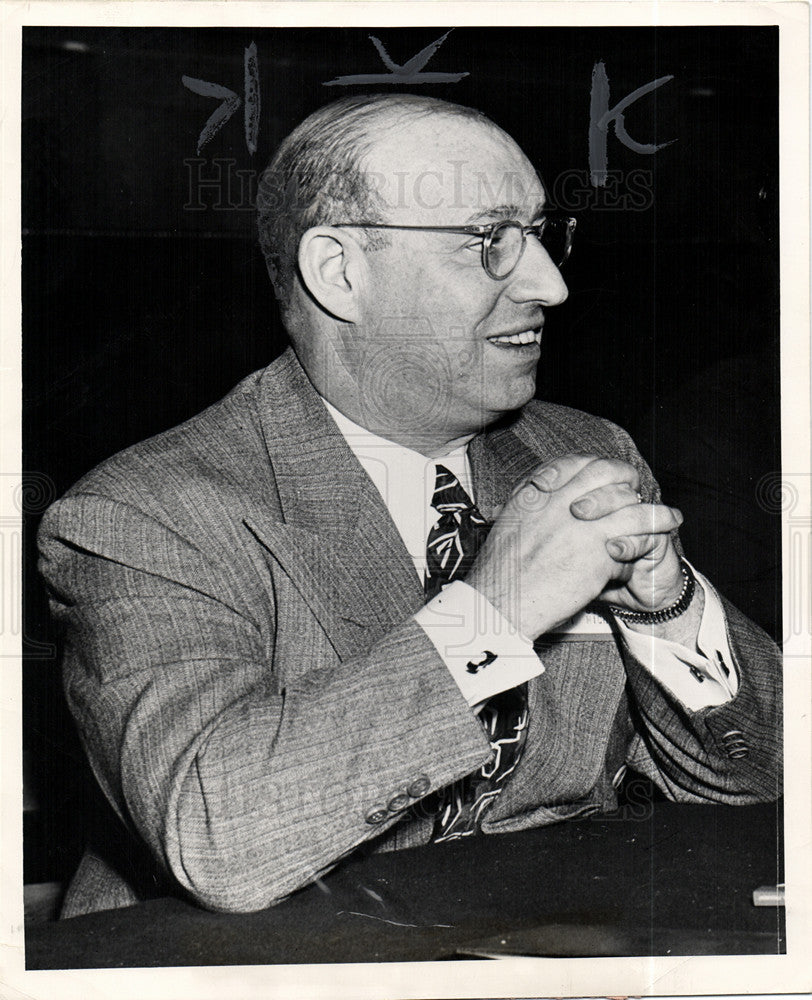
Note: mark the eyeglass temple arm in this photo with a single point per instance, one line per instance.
(469, 230)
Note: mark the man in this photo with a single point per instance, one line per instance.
(286, 631)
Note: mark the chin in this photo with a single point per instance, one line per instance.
(494, 410)
(514, 396)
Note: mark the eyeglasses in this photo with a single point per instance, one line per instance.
(503, 242)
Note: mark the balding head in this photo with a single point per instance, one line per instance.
(319, 174)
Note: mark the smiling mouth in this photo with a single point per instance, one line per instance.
(524, 339)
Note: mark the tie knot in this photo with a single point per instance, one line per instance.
(449, 496)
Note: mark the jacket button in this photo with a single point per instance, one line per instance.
(734, 744)
(418, 786)
(398, 802)
(377, 814)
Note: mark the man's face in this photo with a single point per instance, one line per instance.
(431, 353)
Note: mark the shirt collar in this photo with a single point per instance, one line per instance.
(405, 480)
(389, 464)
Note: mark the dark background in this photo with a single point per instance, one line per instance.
(139, 311)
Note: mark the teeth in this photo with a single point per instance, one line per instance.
(519, 339)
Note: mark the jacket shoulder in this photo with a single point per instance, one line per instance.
(218, 450)
(543, 425)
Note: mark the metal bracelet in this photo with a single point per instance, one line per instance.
(680, 606)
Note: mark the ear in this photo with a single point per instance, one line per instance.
(333, 268)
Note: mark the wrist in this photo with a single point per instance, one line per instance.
(683, 630)
(660, 613)
(527, 618)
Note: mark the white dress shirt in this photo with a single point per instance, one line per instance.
(484, 652)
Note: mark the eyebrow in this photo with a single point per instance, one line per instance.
(506, 212)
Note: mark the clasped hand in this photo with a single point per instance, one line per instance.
(572, 533)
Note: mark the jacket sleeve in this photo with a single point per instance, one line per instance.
(732, 753)
(244, 788)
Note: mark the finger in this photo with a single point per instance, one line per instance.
(604, 500)
(630, 548)
(603, 472)
(555, 474)
(642, 519)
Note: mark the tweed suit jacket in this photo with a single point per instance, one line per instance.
(254, 696)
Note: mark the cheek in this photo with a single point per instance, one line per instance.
(445, 298)
(466, 357)
(410, 384)
(424, 345)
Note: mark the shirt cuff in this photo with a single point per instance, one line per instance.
(483, 651)
(702, 677)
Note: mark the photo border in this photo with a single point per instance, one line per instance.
(511, 977)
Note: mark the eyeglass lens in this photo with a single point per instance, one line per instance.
(506, 245)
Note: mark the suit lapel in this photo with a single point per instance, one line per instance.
(499, 460)
(337, 540)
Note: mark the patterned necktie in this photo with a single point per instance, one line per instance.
(452, 546)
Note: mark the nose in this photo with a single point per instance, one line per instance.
(536, 278)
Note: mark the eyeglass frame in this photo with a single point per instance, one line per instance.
(487, 232)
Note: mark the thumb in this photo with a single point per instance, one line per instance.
(629, 548)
